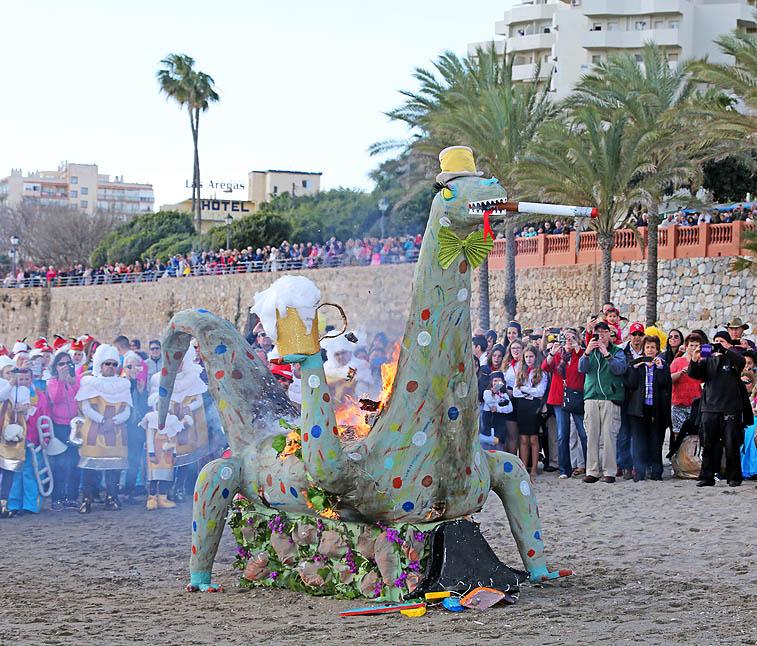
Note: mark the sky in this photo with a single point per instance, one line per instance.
(303, 84)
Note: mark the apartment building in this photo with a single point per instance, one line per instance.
(263, 183)
(569, 36)
(79, 186)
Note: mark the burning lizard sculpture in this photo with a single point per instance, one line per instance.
(421, 460)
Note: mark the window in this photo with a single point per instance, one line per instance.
(74, 179)
(640, 25)
(638, 58)
(74, 193)
(307, 183)
(658, 24)
(595, 59)
(84, 190)
(83, 204)
(612, 26)
(673, 24)
(546, 58)
(672, 58)
(597, 26)
(275, 190)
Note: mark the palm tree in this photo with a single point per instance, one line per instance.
(194, 89)
(588, 161)
(650, 93)
(729, 119)
(473, 101)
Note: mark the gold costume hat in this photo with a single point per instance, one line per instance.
(457, 161)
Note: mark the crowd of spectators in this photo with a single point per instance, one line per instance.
(598, 401)
(310, 255)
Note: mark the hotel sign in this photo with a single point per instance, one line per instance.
(226, 206)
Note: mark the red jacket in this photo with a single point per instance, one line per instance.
(573, 378)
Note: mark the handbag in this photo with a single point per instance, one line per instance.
(572, 399)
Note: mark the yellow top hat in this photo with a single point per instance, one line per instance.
(457, 161)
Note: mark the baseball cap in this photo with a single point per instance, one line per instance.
(636, 327)
(602, 326)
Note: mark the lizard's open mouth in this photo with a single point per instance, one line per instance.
(494, 207)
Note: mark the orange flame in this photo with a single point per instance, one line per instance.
(293, 445)
(350, 416)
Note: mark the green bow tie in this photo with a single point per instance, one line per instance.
(475, 247)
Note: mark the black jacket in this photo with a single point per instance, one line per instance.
(662, 389)
(722, 382)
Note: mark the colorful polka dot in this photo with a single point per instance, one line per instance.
(220, 374)
(281, 486)
(424, 339)
(530, 553)
(314, 381)
(225, 493)
(394, 426)
(194, 550)
(162, 391)
(293, 491)
(524, 487)
(453, 413)
(468, 470)
(220, 349)
(462, 294)
(463, 267)
(537, 536)
(195, 496)
(236, 374)
(194, 526)
(508, 467)
(222, 405)
(202, 477)
(335, 430)
(203, 311)
(326, 397)
(163, 372)
(211, 524)
(427, 480)
(425, 315)
(408, 506)
(412, 386)
(461, 367)
(419, 438)
(305, 437)
(331, 454)
(269, 480)
(316, 431)
(397, 483)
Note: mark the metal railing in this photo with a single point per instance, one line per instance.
(209, 269)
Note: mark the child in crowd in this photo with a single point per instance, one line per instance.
(528, 390)
(497, 405)
(161, 456)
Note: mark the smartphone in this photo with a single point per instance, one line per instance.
(595, 336)
(72, 370)
(706, 350)
(554, 330)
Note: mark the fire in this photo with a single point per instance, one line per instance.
(294, 443)
(350, 416)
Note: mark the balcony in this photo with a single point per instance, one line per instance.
(530, 42)
(631, 39)
(525, 13)
(526, 72)
(597, 8)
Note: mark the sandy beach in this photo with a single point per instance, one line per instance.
(655, 563)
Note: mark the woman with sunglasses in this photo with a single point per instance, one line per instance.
(105, 403)
(61, 391)
(674, 347)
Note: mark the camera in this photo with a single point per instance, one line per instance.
(554, 330)
(706, 351)
(72, 370)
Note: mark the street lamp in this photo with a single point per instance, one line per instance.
(229, 220)
(383, 205)
(13, 252)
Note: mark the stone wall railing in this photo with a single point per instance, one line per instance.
(703, 241)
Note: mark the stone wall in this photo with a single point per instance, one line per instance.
(692, 293)
(697, 292)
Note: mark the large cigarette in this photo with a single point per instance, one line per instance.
(559, 210)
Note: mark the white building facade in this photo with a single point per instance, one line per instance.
(569, 36)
